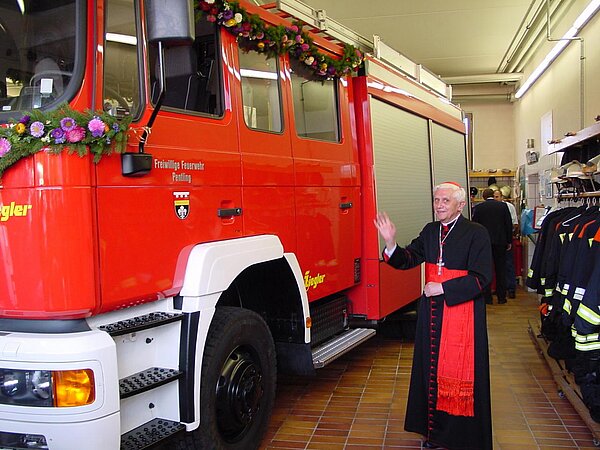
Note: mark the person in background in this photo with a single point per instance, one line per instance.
(449, 395)
(473, 191)
(495, 217)
(511, 278)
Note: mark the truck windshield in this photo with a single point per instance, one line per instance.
(37, 52)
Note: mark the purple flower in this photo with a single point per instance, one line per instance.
(4, 146)
(227, 14)
(58, 135)
(76, 134)
(25, 120)
(37, 129)
(96, 127)
(116, 127)
(67, 124)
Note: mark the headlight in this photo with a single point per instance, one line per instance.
(12, 382)
(61, 388)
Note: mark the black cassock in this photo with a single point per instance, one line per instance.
(466, 247)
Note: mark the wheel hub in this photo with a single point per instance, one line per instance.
(239, 393)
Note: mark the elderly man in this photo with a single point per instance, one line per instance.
(449, 396)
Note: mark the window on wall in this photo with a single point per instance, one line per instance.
(260, 92)
(193, 80)
(469, 125)
(315, 108)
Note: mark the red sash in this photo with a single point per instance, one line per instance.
(456, 360)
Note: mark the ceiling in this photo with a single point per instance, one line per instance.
(462, 41)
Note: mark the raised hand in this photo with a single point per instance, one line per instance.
(386, 229)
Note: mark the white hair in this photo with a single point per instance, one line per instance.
(458, 192)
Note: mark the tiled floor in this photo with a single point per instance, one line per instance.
(359, 401)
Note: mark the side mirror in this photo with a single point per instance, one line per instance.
(170, 22)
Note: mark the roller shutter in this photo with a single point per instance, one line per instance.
(402, 168)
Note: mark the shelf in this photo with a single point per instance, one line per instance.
(587, 136)
(594, 194)
(564, 381)
(491, 174)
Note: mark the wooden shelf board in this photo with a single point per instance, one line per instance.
(487, 175)
(564, 380)
(583, 137)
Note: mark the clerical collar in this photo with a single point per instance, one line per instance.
(447, 224)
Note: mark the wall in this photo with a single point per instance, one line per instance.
(558, 90)
(493, 135)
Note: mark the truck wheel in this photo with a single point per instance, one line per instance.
(237, 389)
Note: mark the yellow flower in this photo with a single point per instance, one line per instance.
(20, 128)
(324, 66)
(230, 23)
(261, 45)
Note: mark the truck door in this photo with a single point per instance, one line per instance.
(193, 188)
(327, 186)
(267, 166)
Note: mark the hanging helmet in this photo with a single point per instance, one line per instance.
(506, 191)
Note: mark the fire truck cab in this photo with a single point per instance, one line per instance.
(152, 296)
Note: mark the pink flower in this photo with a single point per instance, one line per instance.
(4, 146)
(96, 127)
(76, 134)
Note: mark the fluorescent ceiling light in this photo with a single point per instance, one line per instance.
(260, 74)
(579, 23)
(121, 38)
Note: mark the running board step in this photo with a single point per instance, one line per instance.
(341, 344)
(150, 433)
(139, 323)
(147, 379)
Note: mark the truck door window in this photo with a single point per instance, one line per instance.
(315, 107)
(193, 74)
(37, 53)
(121, 69)
(260, 92)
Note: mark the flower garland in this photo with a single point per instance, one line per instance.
(60, 129)
(103, 134)
(254, 34)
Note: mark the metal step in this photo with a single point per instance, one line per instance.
(150, 433)
(339, 345)
(139, 323)
(147, 379)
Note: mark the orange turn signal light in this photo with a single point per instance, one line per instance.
(73, 387)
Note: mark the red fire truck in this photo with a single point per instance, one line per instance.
(153, 294)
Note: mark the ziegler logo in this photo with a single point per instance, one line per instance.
(13, 210)
(312, 281)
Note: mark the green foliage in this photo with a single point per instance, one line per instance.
(253, 34)
(62, 129)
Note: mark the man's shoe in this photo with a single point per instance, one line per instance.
(501, 302)
(511, 294)
(428, 444)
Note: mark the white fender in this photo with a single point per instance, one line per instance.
(211, 267)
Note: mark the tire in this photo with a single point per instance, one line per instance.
(237, 389)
